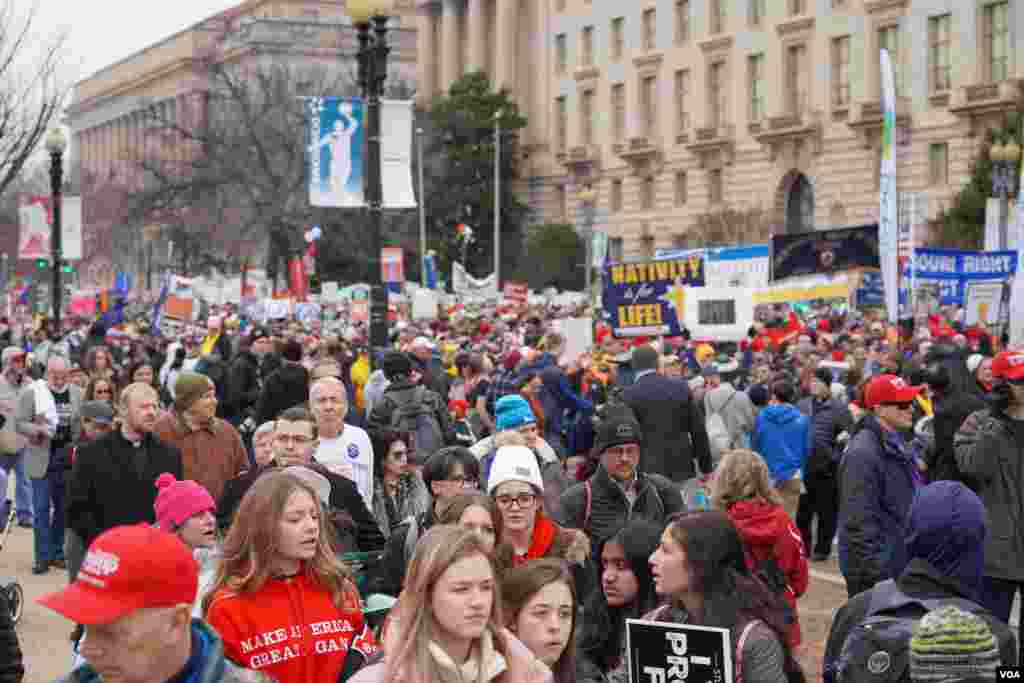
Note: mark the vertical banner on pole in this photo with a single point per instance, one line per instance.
(1016, 320)
(392, 268)
(888, 207)
(334, 137)
(396, 154)
(297, 278)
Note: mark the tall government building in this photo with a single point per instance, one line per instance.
(674, 109)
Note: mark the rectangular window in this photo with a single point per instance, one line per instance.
(618, 112)
(682, 21)
(717, 16)
(650, 28)
(938, 53)
(755, 84)
(997, 41)
(587, 117)
(561, 123)
(717, 94)
(841, 71)
(560, 5)
(618, 27)
(561, 53)
(616, 196)
(715, 186)
(647, 194)
(649, 104)
(615, 250)
(682, 95)
(797, 7)
(680, 188)
(757, 11)
(938, 163)
(796, 82)
(889, 39)
(587, 46)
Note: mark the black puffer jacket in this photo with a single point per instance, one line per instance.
(950, 412)
(829, 418)
(657, 498)
(243, 390)
(287, 387)
(11, 668)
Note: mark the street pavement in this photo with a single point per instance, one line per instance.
(47, 652)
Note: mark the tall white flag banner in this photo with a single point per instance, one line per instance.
(34, 219)
(469, 289)
(888, 206)
(396, 154)
(334, 136)
(1017, 289)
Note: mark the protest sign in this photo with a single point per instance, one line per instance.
(646, 298)
(982, 302)
(950, 270)
(671, 653)
(579, 337)
(516, 293)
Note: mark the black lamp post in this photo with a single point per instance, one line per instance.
(371, 20)
(55, 145)
(1004, 175)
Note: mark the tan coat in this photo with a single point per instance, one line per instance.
(211, 456)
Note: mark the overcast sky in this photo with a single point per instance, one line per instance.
(101, 32)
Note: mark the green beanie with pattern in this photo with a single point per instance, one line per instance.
(950, 644)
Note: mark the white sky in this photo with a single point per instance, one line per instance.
(101, 32)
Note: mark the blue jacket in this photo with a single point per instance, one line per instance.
(877, 482)
(782, 435)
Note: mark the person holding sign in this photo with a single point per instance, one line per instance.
(701, 568)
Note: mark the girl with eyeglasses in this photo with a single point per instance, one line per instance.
(700, 567)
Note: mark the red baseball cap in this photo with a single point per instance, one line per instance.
(1008, 365)
(889, 389)
(126, 569)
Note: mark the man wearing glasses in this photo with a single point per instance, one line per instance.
(295, 441)
(878, 476)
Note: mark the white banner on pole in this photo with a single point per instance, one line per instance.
(469, 289)
(888, 207)
(396, 154)
(1016, 312)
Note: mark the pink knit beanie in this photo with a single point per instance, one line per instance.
(176, 501)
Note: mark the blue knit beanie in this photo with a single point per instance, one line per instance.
(512, 412)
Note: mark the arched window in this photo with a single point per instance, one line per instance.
(800, 206)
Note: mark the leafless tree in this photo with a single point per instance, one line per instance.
(31, 90)
(231, 175)
(730, 225)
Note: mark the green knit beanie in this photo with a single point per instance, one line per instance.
(950, 644)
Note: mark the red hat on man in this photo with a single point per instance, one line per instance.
(889, 389)
(1008, 365)
(126, 569)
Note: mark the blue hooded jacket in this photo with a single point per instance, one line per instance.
(782, 435)
(946, 528)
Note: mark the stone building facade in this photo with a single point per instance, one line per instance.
(678, 110)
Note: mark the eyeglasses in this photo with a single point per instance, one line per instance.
(523, 500)
(901, 405)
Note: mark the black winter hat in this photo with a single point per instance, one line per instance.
(616, 429)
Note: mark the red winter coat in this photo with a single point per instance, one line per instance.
(768, 532)
(291, 630)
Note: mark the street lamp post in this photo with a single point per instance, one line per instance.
(1004, 170)
(371, 21)
(55, 144)
(588, 206)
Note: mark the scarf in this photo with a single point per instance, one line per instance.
(543, 537)
(484, 663)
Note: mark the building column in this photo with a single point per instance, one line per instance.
(427, 55)
(506, 22)
(477, 36)
(451, 45)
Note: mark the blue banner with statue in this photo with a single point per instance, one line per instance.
(646, 298)
(823, 252)
(950, 270)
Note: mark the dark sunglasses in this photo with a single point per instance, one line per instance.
(902, 405)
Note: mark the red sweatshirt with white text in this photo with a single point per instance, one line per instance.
(290, 629)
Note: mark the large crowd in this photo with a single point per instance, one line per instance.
(474, 503)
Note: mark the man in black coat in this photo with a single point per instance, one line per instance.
(288, 386)
(113, 479)
(295, 440)
(245, 377)
(673, 428)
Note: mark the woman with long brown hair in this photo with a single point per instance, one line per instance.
(540, 608)
(282, 601)
(700, 567)
(476, 512)
(446, 627)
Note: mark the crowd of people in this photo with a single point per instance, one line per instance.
(228, 504)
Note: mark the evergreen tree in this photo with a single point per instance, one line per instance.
(555, 257)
